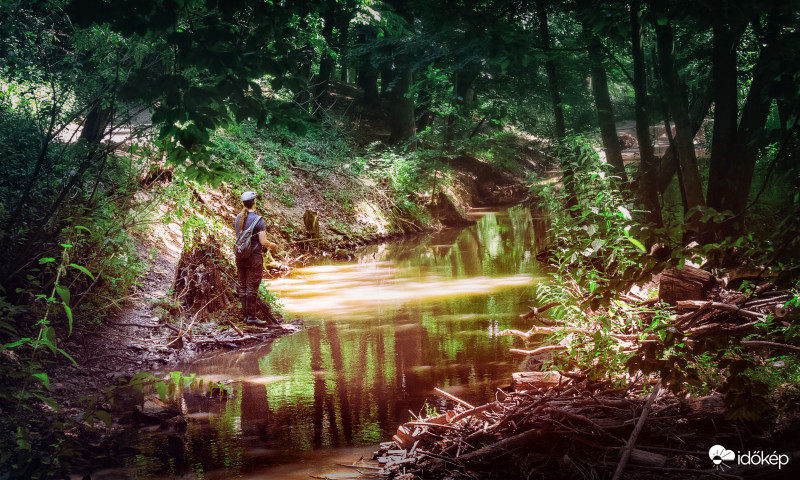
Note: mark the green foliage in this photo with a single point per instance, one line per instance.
(272, 299)
(597, 242)
(600, 248)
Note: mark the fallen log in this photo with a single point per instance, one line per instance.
(522, 381)
(687, 283)
(647, 459)
(702, 409)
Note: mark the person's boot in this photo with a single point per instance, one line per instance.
(244, 309)
(252, 319)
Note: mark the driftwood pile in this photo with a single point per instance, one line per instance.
(567, 430)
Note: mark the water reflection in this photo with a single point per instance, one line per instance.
(381, 332)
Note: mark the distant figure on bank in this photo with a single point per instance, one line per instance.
(251, 268)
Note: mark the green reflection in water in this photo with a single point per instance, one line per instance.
(381, 332)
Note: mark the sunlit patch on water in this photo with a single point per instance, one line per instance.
(263, 380)
(358, 290)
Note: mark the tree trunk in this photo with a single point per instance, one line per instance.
(723, 145)
(423, 115)
(750, 135)
(366, 73)
(326, 62)
(343, 25)
(550, 68)
(402, 110)
(602, 99)
(465, 86)
(302, 96)
(667, 167)
(678, 108)
(367, 78)
(387, 78)
(648, 193)
(95, 125)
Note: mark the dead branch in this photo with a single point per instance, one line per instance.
(453, 398)
(626, 453)
(692, 304)
(537, 351)
(764, 343)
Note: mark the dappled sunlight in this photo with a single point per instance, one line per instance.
(357, 288)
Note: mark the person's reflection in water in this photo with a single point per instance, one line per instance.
(255, 419)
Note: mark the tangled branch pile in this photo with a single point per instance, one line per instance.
(569, 430)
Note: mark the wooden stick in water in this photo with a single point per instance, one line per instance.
(453, 398)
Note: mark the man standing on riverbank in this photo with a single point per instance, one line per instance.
(251, 268)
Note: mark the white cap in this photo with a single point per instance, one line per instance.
(248, 196)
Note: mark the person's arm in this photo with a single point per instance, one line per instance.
(262, 239)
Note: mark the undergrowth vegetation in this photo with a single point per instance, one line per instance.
(601, 246)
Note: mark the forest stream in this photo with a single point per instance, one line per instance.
(381, 332)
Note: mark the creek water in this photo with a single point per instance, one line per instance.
(380, 332)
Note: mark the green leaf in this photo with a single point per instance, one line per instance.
(69, 316)
(637, 243)
(48, 401)
(14, 344)
(104, 417)
(625, 212)
(161, 388)
(49, 338)
(23, 436)
(82, 269)
(42, 377)
(62, 352)
(46, 260)
(63, 292)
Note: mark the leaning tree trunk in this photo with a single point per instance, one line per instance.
(678, 108)
(667, 167)
(95, 125)
(323, 77)
(302, 96)
(749, 136)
